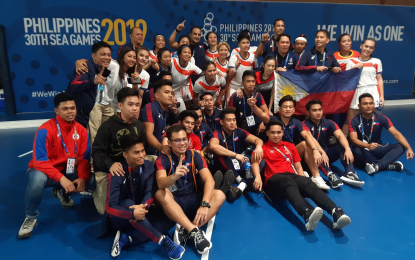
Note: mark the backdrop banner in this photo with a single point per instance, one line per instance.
(45, 38)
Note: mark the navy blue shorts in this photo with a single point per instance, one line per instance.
(189, 203)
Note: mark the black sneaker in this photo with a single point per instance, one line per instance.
(351, 178)
(218, 178)
(312, 217)
(180, 235)
(228, 179)
(66, 200)
(335, 182)
(234, 193)
(396, 166)
(202, 244)
(340, 220)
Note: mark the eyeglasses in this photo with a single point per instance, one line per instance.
(178, 141)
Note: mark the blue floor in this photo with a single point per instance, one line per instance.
(382, 214)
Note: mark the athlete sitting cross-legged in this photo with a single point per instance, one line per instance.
(179, 195)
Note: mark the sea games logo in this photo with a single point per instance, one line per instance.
(207, 26)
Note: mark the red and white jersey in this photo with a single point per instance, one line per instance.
(371, 68)
(181, 76)
(342, 60)
(264, 85)
(202, 86)
(249, 63)
(210, 55)
(222, 68)
(152, 56)
(252, 49)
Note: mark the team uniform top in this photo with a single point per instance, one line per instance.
(213, 121)
(292, 131)
(371, 68)
(153, 113)
(222, 68)
(380, 121)
(243, 110)
(288, 62)
(342, 60)
(181, 76)
(204, 133)
(275, 162)
(322, 131)
(152, 56)
(210, 55)
(252, 49)
(313, 58)
(202, 86)
(270, 46)
(265, 86)
(199, 54)
(185, 185)
(249, 63)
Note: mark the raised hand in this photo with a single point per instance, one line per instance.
(252, 100)
(265, 37)
(99, 79)
(180, 26)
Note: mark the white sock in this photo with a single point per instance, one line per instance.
(242, 186)
(161, 239)
(238, 179)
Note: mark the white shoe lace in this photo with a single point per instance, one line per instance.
(199, 237)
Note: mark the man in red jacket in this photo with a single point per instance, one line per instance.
(61, 154)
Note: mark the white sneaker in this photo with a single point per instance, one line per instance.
(27, 227)
(320, 183)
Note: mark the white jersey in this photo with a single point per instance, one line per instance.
(371, 68)
(249, 63)
(181, 76)
(252, 49)
(210, 55)
(202, 86)
(222, 68)
(152, 56)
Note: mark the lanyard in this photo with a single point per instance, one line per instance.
(63, 143)
(286, 60)
(286, 158)
(131, 180)
(363, 130)
(324, 58)
(173, 169)
(290, 137)
(163, 122)
(243, 97)
(233, 139)
(318, 135)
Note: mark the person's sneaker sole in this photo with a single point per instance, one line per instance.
(218, 178)
(352, 182)
(228, 179)
(28, 234)
(176, 234)
(342, 222)
(314, 219)
(116, 244)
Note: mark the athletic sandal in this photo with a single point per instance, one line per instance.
(340, 220)
(312, 217)
(351, 178)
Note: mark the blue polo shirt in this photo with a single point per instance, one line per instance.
(213, 120)
(292, 131)
(380, 121)
(186, 184)
(289, 61)
(204, 133)
(199, 54)
(323, 131)
(243, 110)
(153, 113)
(313, 58)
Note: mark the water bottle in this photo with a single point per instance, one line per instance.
(379, 107)
(248, 172)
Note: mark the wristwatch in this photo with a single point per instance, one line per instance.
(205, 204)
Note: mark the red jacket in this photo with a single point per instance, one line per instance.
(49, 155)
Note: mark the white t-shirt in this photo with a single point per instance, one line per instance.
(202, 86)
(250, 63)
(181, 76)
(252, 49)
(371, 68)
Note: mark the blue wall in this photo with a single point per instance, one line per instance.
(44, 43)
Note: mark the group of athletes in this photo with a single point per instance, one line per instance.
(172, 131)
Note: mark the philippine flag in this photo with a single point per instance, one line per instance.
(334, 90)
(376, 123)
(324, 128)
(236, 138)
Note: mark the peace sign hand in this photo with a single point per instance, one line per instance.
(180, 26)
(252, 100)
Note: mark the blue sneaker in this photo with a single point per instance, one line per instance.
(121, 241)
(173, 250)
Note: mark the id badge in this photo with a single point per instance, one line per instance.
(250, 120)
(364, 141)
(70, 166)
(173, 188)
(236, 164)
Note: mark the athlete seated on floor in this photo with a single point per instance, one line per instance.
(129, 199)
(61, 154)
(365, 136)
(284, 179)
(322, 129)
(179, 195)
